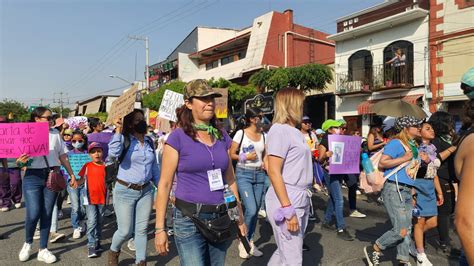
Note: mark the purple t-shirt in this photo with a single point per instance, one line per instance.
(194, 162)
(289, 143)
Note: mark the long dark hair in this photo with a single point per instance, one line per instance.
(84, 137)
(186, 120)
(442, 123)
(38, 112)
(127, 128)
(93, 123)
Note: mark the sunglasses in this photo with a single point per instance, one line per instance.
(307, 122)
(80, 141)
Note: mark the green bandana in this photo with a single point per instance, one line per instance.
(413, 148)
(209, 129)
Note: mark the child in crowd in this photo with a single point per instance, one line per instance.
(93, 176)
(428, 193)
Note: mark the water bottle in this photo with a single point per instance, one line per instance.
(368, 168)
(230, 198)
(415, 212)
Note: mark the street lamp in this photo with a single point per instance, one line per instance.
(122, 79)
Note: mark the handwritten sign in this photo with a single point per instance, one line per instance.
(171, 101)
(345, 157)
(76, 121)
(221, 103)
(123, 105)
(77, 161)
(24, 138)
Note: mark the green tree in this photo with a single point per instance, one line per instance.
(260, 78)
(17, 109)
(220, 83)
(279, 79)
(101, 115)
(238, 94)
(153, 100)
(66, 111)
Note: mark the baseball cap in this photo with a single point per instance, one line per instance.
(388, 123)
(331, 123)
(319, 131)
(199, 88)
(306, 118)
(407, 121)
(342, 121)
(68, 131)
(94, 145)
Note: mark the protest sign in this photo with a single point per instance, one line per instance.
(221, 103)
(171, 101)
(77, 161)
(75, 122)
(345, 157)
(24, 138)
(103, 138)
(123, 105)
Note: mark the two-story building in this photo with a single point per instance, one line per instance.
(381, 53)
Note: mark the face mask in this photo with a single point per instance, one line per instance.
(259, 124)
(337, 131)
(77, 145)
(141, 127)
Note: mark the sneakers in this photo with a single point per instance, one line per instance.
(18, 205)
(357, 214)
(37, 234)
(131, 245)
(25, 252)
(345, 235)
(422, 260)
(262, 213)
(327, 227)
(254, 251)
(98, 247)
(242, 252)
(4, 209)
(372, 256)
(77, 233)
(45, 255)
(92, 253)
(54, 236)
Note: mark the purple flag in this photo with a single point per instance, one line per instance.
(346, 154)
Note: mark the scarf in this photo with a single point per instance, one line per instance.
(212, 131)
(413, 148)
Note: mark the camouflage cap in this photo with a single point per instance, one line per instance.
(199, 88)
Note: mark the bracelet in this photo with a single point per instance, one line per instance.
(286, 206)
(159, 231)
(159, 228)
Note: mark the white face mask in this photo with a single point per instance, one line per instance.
(77, 145)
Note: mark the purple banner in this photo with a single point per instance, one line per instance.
(103, 138)
(346, 154)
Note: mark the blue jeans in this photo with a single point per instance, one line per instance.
(130, 204)
(193, 248)
(266, 185)
(95, 218)
(77, 209)
(400, 215)
(39, 203)
(251, 184)
(336, 201)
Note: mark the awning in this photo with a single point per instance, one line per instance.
(366, 106)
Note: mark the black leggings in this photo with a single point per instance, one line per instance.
(445, 210)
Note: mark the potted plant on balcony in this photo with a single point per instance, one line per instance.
(342, 86)
(388, 77)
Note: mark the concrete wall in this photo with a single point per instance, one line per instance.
(458, 57)
(208, 37)
(455, 18)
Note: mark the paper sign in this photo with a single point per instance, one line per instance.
(76, 121)
(77, 161)
(24, 138)
(345, 157)
(221, 103)
(123, 105)
(171, 101)
(103, 138)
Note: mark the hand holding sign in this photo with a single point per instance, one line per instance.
(17, 139)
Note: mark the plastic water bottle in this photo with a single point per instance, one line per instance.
(415, 212)
(367, 164)
(229, 198)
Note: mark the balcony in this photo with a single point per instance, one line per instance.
(347, 86)
(389, 77)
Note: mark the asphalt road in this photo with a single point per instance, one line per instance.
(326, 248)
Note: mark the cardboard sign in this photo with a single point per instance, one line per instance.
(24, 138)
(345, 157)
(123, 105)
(221, 103)
(77, 161)
(171, 101)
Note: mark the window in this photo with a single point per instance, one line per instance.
(212, 65)
(345, 23)
(226, 60)
(360, 66)
(398, 62)
(241, 55)
(356, 20)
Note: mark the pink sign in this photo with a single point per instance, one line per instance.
(24, 138)
(345, 157)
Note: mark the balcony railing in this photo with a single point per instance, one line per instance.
(378, 78)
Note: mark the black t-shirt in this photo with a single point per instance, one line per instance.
(325, 142)
(446, 170)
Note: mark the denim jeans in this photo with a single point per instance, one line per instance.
(95, 217)
(54, 218)
(193, 248)
(251, 184)
(10, 188)
(336, 201)
(130, 204)
(39, 205)
(77, 209)
(266, 185)
(400, 215)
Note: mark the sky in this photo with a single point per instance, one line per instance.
(72, 46)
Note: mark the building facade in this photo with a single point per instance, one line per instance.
(381, 53)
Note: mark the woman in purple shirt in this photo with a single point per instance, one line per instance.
(198, 154)
(291, 172)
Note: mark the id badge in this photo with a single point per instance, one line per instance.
(215, 179)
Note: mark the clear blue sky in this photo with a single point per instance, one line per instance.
(48, 46)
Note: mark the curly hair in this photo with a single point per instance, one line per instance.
(186, 120)
(442, 123)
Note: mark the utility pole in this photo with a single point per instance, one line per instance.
(61, 101)
(147, 66)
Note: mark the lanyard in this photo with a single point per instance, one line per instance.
(210, 152)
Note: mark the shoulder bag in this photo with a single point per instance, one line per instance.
(55, 181)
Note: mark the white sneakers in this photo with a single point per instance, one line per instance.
(422, 260)
(254, 251)
(25, 252)
(77, 233)
(45, 255)
(357, 214)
